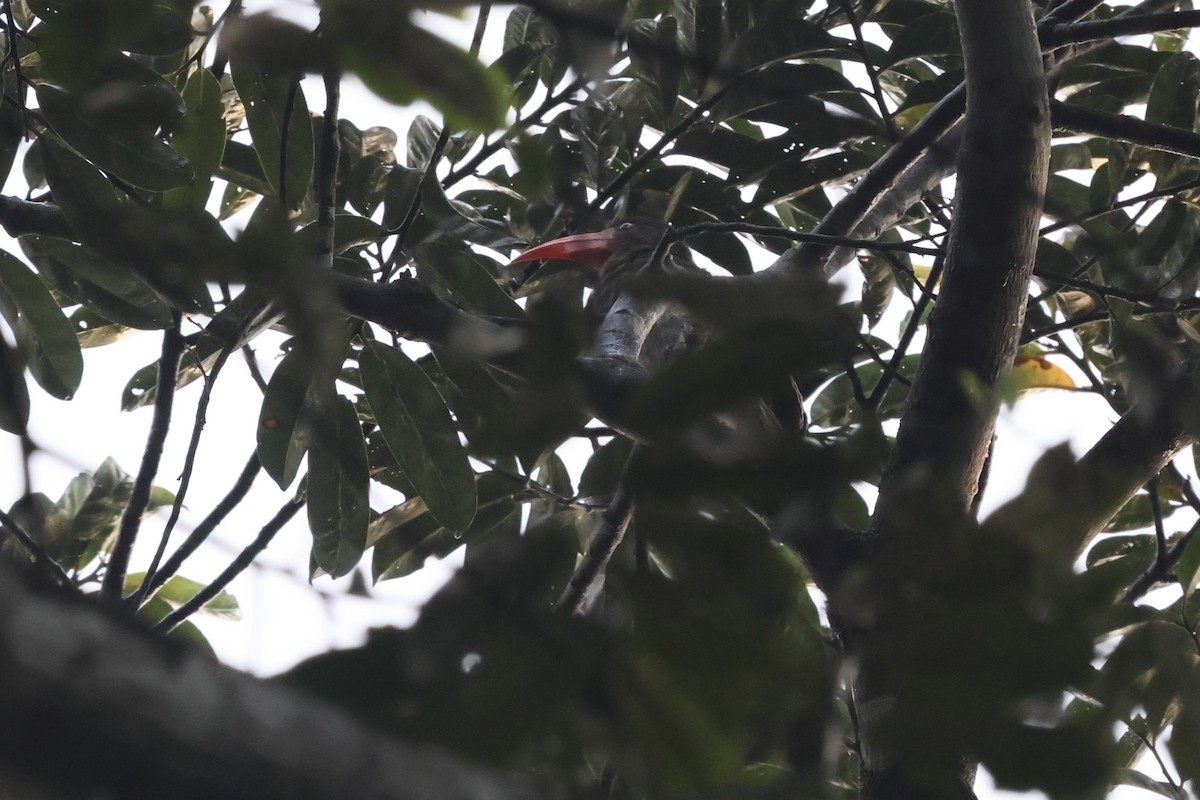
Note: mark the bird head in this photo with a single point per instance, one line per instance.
(627, 240)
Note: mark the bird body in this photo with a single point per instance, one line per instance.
(638, 330)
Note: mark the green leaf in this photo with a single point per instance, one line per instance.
(462, 223)
(604, 468)
(240, 321)
(121, 139)
(111, 291)
(283, 430)
(266, 98)
(406, 536)
(349, 231)
(337, 489)
(418, 429)
(240, 166)
(464, 277)
(93, 505)
(200, 138)
(14, 394)
(423, 134)
(44, 335)
(1187, 568)
(403, 63)
(156, 610)
(178, 590)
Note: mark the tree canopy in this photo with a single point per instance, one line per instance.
(770, 578)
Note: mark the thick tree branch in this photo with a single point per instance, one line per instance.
(1066, 503)
(95, 706)
(1124, 128)
(1125, 25)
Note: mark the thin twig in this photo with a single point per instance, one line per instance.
(860, 44)
(1160, 535)
(613, 523)
(678, 129)
(139, 499)
(1160, 568)
(189, 461)
(684, 232)
(327, 168)
(489, 149)
(910, 330)
(1065, 325)
(252, 366)
(14, 55)
(243, 560)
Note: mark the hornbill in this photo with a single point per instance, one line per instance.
(639, 329)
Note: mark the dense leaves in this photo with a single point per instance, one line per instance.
(431, 396)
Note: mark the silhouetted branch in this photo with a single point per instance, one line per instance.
(1124, 128)
(614, 521)
(131, 519)
(201, 532)
(1133, 25)
(243, 560)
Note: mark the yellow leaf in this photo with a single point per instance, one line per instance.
(1037, 372)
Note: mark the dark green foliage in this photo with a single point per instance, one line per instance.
(706, 668)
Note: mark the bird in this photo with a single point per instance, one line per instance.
(638, 329)
(615, 255)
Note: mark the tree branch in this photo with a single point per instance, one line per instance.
(1124, 128)
(604, 543)
(1126, 25)
(139, 499)
(243, 560)
(94, 706)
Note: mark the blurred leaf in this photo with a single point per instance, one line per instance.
(199, 137)
(44, 335)
(403, 63)
(1037, 372)
(155, 610)
(337, 489)
(420, 433)
(114, 121)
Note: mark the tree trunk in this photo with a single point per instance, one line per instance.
(973, 333)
